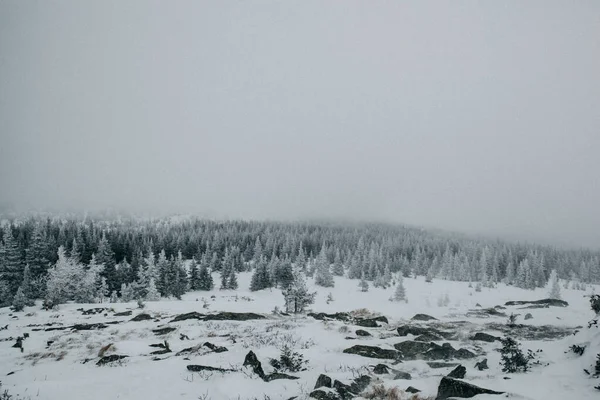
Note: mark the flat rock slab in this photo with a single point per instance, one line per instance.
(199, 368)
(163, 331)
(484, 337)
(543, 302)
(423, 317)
(222, 316)
(450, 387)
(412, 350)
(373, 352)
(141, 317)
(437, 364)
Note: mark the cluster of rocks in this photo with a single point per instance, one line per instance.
(373, 322)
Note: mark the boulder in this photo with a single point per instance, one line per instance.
(370, 322)
(381, 369)
(415, 330)
(353, 389)
(198, 368)
(458, 372)
(482, 365)
(123, 314)
(413, 350)
(163, 331)
(222, 316)
(412, 390)
(141, 317)
(402, 375)
(548, 302)
(186, 316)
(321, 394)
(528, 316)
(109, 359)
(450, 387)
(484, 337)
(428, 337)
(373, 352)
(423, 317)
(437, 364)
(88, 327)
(323, 381)
(215, 348)
(361, 332)
(252, 361)
(485, 313)
(340, 316)
(93, 311)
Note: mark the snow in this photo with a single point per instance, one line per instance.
(38, 373)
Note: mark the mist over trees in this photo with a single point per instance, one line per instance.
(147, 259)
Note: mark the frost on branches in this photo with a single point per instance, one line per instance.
(297, 296)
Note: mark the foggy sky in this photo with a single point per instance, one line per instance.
(471, 116)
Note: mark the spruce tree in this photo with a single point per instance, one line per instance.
(323, 275)
(260, 278)
(152, 294)
(36, 258)
(363, 284)
(11, 265)
(106, 257)
(28, 287)
(205, 280)
(297, 296)
(127, 293)
(400, 293)
(19, 301)
(232, 282)
(554, 284)
(338, 267)
(194, 275)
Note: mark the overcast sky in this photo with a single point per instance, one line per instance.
(471, 116)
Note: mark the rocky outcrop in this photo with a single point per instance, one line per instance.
(348, 318)
(416, 330)
(222, 316)
(428, 337)
(215, 348)
(412, 390)
(450, 387)
(124, 314)
(89, 327)
(484, 337)
(458, 372)
(163, 331)
(543, 302)
(373, 352)
(370, 322)
(109, 359)
(482, 365)
(423, 317)
(532, 332)
(323, 381)
(353, 389)
(485, 313)
(141, 317)
(436, 364)
(199, 368)
(381, 369)
(412, 350)
(362, 332)
(252, 361)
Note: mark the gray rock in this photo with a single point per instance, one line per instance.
(141, 317)
(361, 332)
(321, 394)
(450, 387)
(163, 331)
(123, 314)
(412, 390)
(373, 352)
(549, 302)
(323, 381)
(381, 369)
(412, 350)
(423, 317)
(437, 364)
(528, 316)
(198, 368)
(252, 361)
(402, 375)
(458, 372)
(109, 359)
(484, 337)
(222, 316)
(215, 348)
(428, 337)
(482, 365)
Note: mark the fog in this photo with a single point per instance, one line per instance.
(481, 117)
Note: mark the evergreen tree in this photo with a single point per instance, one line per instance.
(323, 275)
(163, 284)
(5, 295)
(258, 251)
(297, 296)
(285, 275)
(338, 267)
(36, 258)
(28, 286)
(11, 266)
(510, 273)
(205, 280)
(194, 275)
(400, 293)
(260, 278)
(153, 293)
(232, 282)
(20, 301)
(554, 285)
(106, 257)
(127, 293)
(301, 258)
(363, 284)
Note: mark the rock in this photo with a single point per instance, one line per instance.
(485, 313)
(458, 372)
(482, 365)
(532, 332)
(340, 316)
(88, 327)
(198, 368)
(276, 375)
(351, 391)
(423, 317)
(370, 322)
(123, 314)
(499, 308)
(477, 305)
(215, 348)
(402, 375)
(484, 337)
(324, 395)
(222, 316)
(381, 369)
(528, 316)
(92, 311)
(412, 390)
(108, 359)
(373, 352)
(436, 365)
(163, 331)
(412, 350)
(405, 330)
(361, 332)
(323, 381)
(549, 302)
(428, 337)
(252, 361)
(141, 317)
(450, 387)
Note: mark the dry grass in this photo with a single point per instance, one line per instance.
(380, 392)
(36, 357)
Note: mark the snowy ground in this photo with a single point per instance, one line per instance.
(58, 371)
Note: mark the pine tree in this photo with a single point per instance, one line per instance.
(28, 287)
(510, 273)
(152, 294)
(127, 293)
(19, 301)
(260, 278)
(285, 275)
(323, 275)
(400, 293)
(205, 280)
(232, 282)
(338, 267)
(106, 257)
(258, 251)
(194, 275)
(554, 285)
(11, 265)
(297, 296)
(301, 259)
(163, 284)
(363, 284)
(36, 258)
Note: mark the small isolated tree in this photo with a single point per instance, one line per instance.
(19, 300)
(363, 284)
(114, 297)
(554, 284)
(152, 293)
(513, 359)
(297, 296)
(400, 293)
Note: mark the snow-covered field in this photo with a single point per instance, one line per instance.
(66, 368)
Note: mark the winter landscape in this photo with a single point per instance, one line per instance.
(280, 199)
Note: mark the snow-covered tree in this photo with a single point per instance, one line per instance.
(261, 277)
(323, 275)
(11, 265)
(297, 297)
(363, 284)
(338, 267)
(205, 280)
(19, 301)
(554, 284)
(400, 292)
(106, 257)
(153, 294)
(232, 282)
(28, 287)
(127, 292)
(194, 275)
(510, 273)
